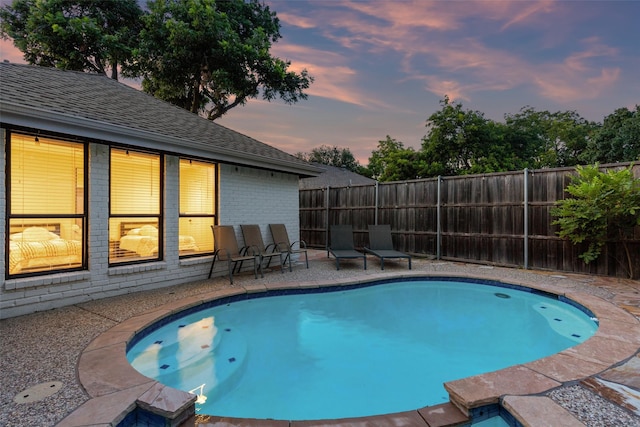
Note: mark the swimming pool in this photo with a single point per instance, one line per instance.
(360, 336)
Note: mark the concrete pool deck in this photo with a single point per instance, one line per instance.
(82, 347)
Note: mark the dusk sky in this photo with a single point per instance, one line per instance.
(381, 67)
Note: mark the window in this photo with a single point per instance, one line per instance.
(135, 220)
(197, 207)
(46, 195)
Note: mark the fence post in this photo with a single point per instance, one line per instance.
(439, 228)
(375, 219)
(526, 218)
(326, 215)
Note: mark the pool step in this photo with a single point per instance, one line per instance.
(187, 364)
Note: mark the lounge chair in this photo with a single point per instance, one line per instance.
(253, 240)
(281, 238)
(381, 245)
(342, 247)
(227, 249)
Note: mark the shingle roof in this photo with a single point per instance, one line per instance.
(95, 106)
(333, 176)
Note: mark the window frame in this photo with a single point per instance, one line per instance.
(36, 134)
(214, 215)
(159, 216)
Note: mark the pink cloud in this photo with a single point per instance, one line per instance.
(579, 77)
(296, 20)
(333, 78)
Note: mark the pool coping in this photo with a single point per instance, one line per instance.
(116, 388)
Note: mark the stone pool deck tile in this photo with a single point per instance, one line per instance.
(109, 338)
(108, 409)
(565, 368)
(182, 304)
(281, 286)
(252, 288)
(602, 350)
(106, 370)
(166, 401)
(213, 421)
(446, 414)
(140, 322)
(404, 419)
(603, 308)
(481, 390)
(537, 411)
(627, 374)
(610, 329)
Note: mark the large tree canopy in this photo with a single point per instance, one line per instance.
(393, 162)
(80, 35)
(617, 140)
(549, 139)
(332, 156)
(209, 56)
(462, 142)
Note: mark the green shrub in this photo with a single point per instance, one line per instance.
(604, 206)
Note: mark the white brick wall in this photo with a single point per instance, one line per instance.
(247, 196)
(254, 196)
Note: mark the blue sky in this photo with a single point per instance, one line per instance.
(381, 67)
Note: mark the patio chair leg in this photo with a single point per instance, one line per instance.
(239, 264)
(306, 258)
(212, 264)
(288, 257)
(260, 266)
(231, 272)
(381, 263)
(257, 262)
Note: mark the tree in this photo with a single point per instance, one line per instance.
(80, 35)
(393, 162)
(604, 206)
(548, 139)
(462, 142)
(332, 156)
(617, 140)
(209, 56)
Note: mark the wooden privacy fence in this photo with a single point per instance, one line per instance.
(500, 219)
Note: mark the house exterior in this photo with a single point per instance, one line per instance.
(106, 190)
(332, 176)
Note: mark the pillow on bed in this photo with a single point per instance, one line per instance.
(34, 234)
(148, 230)
(133, 232)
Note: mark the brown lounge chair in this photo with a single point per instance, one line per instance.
(281, 238)
(342, 247)
(253, 240)
(381, 245)
(227, 249)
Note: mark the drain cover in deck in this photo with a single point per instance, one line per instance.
(38, 392)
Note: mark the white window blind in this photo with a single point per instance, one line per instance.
(135, 231)
(197, 206)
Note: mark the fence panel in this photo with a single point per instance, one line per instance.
(481, 217)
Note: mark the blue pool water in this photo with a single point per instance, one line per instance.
(349, 353)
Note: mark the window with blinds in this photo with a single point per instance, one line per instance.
(135, 214)
(46, 195)
(197, 207)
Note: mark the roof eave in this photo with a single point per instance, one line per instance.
(31, 117)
